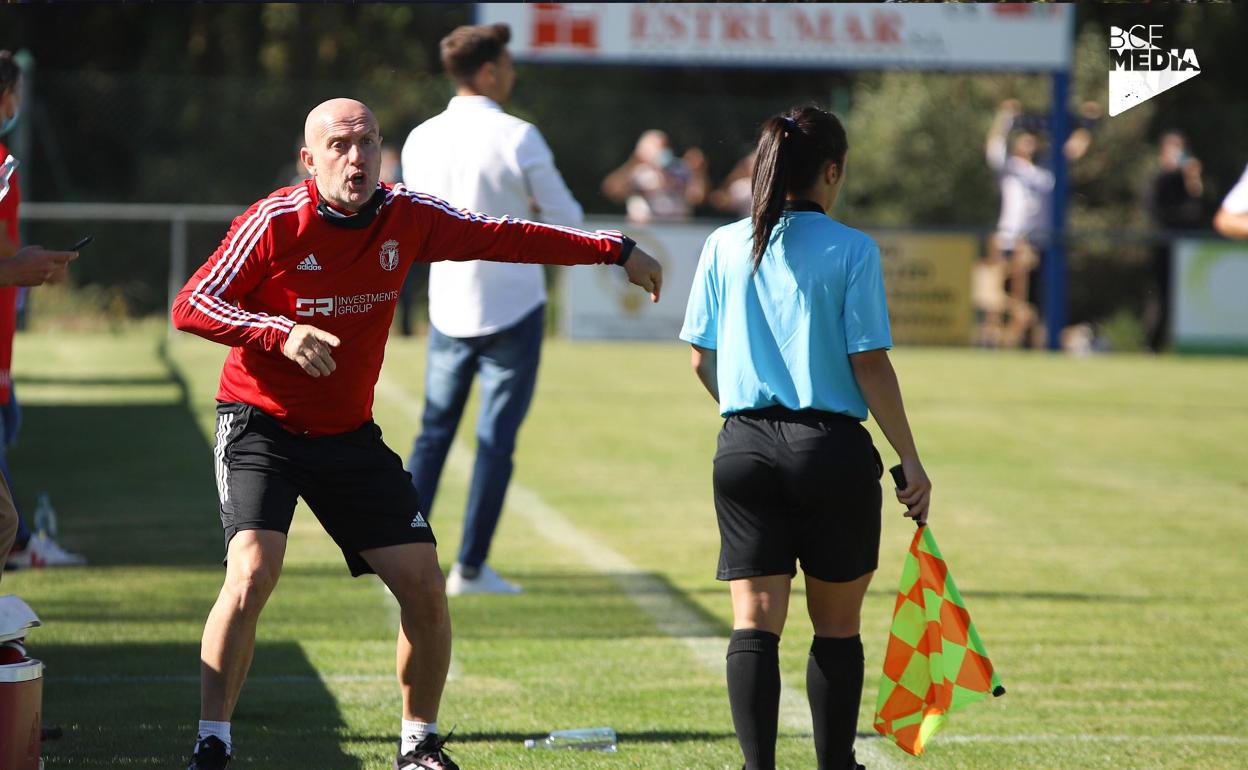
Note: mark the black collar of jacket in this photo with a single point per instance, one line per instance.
(360, 219)
(803, 205)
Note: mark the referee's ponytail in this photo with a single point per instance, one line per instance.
(792, 150)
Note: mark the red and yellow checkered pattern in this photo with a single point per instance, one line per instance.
(935, 662)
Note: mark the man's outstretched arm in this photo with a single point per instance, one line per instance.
(459, 235)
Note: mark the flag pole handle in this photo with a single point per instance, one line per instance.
(899, 479)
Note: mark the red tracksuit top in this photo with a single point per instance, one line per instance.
(283, 262)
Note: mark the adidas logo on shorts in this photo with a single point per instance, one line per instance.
(419, 521)
(309, 263)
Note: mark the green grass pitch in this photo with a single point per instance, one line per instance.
(1092, 512)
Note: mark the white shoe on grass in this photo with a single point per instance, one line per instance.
(487, 581)
(44, 552)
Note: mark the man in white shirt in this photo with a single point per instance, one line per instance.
(486, 318)
(1232, 218)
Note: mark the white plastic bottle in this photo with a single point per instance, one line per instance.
(585, 739)
(45, 517)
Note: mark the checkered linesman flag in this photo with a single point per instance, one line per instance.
(935, 662)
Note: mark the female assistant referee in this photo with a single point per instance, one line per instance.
(790, 334)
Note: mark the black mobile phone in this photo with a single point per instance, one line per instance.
(78, 246)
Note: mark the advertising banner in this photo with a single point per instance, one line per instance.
(997, 36)
(928, 280)
(1208, 289)
(602, 304)
(927, 275)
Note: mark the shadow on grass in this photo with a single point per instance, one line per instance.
(137, 705)
(1023, 596)
(100, 381)
(132, 482)
(585, 606)
(133, 485)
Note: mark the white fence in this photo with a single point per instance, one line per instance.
(177, 215)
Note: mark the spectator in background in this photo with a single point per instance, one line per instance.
(1232, 218)
(24, 550)
(486, 318)
(655, 185)
(1175, 200)
(733, 195)
(1026, 193)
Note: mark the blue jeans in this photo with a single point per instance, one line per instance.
(506, 364)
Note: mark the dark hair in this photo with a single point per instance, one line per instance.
(10, 73)
(469, 48)
(793, 149)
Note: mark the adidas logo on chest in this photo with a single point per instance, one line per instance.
(309, 263)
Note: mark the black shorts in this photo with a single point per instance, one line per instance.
(797, 486)
(352, 481)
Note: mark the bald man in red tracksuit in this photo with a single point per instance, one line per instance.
(303, 290)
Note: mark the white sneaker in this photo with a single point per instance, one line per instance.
(487, 581)
(46, 552)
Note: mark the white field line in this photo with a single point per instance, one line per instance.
(671, 615)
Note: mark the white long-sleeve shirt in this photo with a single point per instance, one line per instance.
(475, 156)
(1025, 193)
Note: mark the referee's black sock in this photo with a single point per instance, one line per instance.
(834, 686)
(754, 694)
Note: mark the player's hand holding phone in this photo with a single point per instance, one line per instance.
(34, 266)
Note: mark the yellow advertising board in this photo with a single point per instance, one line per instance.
(928, 280)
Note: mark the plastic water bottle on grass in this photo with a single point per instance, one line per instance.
(45, 517)
(585, 739)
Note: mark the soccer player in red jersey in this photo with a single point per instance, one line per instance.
(303, 290)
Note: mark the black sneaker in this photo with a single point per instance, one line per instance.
(853, 763)
(210, 754)
(428, 755)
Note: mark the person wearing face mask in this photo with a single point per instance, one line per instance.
(303, 290)
(655, 185)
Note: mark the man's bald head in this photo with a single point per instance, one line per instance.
(343, 151)
(328, 114)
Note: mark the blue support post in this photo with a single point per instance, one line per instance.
(1055, 276)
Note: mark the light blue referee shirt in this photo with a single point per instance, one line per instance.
(783, 335)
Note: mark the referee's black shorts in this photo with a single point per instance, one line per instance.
(353, 482)
(797, 487)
